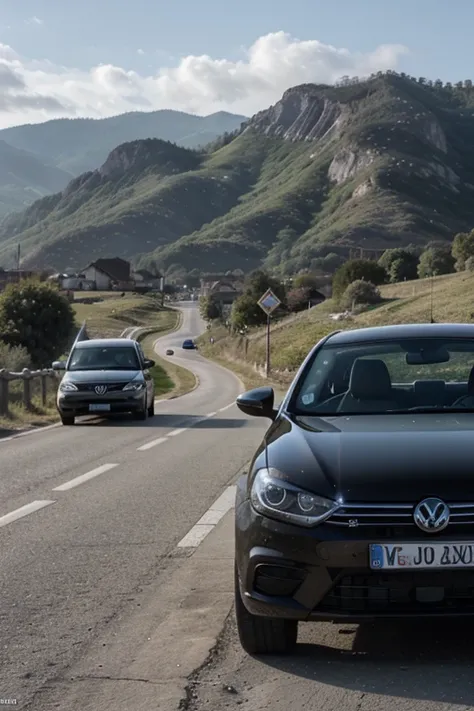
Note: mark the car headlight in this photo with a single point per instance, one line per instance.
(274, 497)
(134, 386)
(67, 387)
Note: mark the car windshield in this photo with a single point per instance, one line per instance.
(388, 377)
(104, 358)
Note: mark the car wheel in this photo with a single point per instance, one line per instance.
(67, 419)
(263, 635)
(151, 409)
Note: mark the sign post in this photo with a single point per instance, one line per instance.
(268, 303)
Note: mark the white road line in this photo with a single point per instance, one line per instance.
(210, 519)
(192, 424)
(177, 432)
(24, 511)
(151, 444)
(195, 536)
(85, 477)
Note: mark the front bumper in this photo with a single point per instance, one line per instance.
(324, 574)
(76, 404)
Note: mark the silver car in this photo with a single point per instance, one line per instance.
(105, 376)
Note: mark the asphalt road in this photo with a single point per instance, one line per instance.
(381, 667)
(106, 504)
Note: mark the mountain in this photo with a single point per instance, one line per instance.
(81, 145)
(24, 178)
(378, 163)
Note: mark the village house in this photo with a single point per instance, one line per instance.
(13, 276)
(145, 279)
(109, 274)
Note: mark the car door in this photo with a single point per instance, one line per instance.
(150, 387)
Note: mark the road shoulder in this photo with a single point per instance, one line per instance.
(147, 655)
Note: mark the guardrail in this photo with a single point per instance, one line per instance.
(28, 378)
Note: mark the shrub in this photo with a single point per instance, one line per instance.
(14, 358)
(360, 292)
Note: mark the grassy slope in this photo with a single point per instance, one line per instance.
(408, 302)
(224, 209)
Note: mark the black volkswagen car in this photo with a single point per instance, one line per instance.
(105, 376)
(359, 502)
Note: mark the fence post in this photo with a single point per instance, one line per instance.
(44, 390)
(26, 377)
(3, 392)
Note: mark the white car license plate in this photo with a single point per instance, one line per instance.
(99, 408)
(421, 556)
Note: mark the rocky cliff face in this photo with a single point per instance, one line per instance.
(302, 114)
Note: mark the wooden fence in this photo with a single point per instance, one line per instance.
(29, 378)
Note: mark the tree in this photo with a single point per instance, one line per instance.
(360, 292)
(462, 249)
(35, 316)
(356, 269)
(309, 281)
(435, 261)
(208, 309)
(297, 299)
(399, 264)
(469, 266)
(245, 309)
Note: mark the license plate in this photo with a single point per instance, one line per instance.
(421, 556)
(99, 408)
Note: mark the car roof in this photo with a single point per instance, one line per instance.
(404, 330)
(106, 343)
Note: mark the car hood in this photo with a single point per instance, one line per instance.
(368, 458)
(100, 376)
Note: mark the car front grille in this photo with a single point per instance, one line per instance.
(403, 592)
(395, 516)
(89, 387)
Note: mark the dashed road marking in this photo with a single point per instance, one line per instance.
(24, 511)
(85, 477)
(177, 432)
(210, 519)
(151, 444)
(174, 433)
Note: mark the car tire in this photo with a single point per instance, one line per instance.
(151, 409)
(68, 420)
(263, 635)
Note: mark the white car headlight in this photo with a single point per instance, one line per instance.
(67, 387)
(274, 497)
(134, 386)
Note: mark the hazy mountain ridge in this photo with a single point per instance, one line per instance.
(379, 163)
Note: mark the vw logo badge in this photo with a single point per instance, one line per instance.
(431, 515)
(100, 389)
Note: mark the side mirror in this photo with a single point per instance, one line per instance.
(258, 403)
(148, 363)
(59, 365)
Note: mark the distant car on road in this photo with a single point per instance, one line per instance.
(189, 344)
(359, 503)
(169, 351)
(105, 376)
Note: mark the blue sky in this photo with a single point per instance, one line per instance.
(146, 36)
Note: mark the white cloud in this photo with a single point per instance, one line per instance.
(34, 21)
(140, 52)
(34, 91)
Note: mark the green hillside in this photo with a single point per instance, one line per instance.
(374, 164)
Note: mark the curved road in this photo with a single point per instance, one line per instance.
(89, 516)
